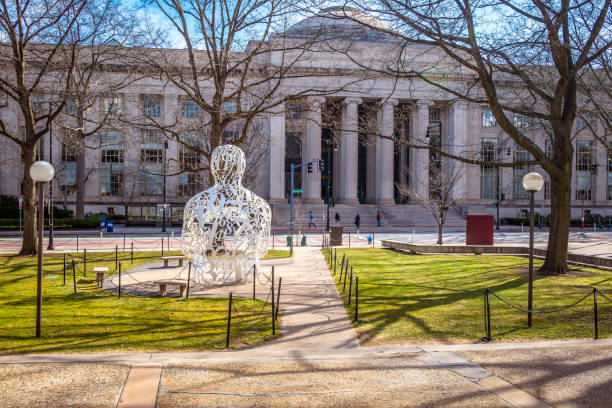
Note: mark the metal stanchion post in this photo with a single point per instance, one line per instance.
(116, 255)
(356, 318)
(64, 269)
(188, 279)
(273, 323)
(74, 277)
(350, 286)
(162, 246)
(77, 242)
(132, 252)
(229, 321)
(84, 261)
(119, 281)
(254, 279)
(124, 242)
(280, 282)
(596, 320)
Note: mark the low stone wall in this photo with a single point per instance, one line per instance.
(492, 249)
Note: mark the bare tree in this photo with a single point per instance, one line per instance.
(442, 182)
(523, 59)
(99, 39)
(235, 66)
(35, 76)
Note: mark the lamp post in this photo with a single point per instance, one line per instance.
(50, 246)
(164, 192)
(532, 182)
(41, 172)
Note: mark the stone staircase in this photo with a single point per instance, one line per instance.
(400, 215)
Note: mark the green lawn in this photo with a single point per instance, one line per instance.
(277, 253)
(96, 320)
(439, 298)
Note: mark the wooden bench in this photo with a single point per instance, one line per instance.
(100, 271)
(166, 259)
(163, 286)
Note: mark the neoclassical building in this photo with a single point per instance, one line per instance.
(356, 130)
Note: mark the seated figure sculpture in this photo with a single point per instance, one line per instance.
(226, 228)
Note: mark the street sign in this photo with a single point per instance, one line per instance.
(297, 191)
(165, 206)
(20, 203)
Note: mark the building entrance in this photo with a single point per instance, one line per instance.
(327, 155)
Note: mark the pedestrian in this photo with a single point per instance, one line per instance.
(378, 217)
(357, 222)
(582, 222)
(337, 218)
(311, 224)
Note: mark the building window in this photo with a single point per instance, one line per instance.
(70, 107)
(229, 108)
(111, 168)
(581, 124)
(294, 111)
(584, 165)
(151, 162)
(293, 155)
(550, 152)
(609, 193)
(520, 155)
(488, 174)
(434, 115)
(151, 106)
(488, 120)
(189, 109)
(67, 174)
(112, 106)
(229, 136)
(190, 162)
(520, 121)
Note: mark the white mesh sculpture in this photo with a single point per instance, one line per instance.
(226, 228)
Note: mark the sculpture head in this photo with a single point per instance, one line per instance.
(227, 164)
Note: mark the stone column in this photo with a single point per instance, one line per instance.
(419, 158)
(171, 112)
(277, 155)
(384, 155)
(348, 152)
(311, 183)
(458, 132)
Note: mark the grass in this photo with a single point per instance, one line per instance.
(96, 320)
(439, 298)
(277, 254)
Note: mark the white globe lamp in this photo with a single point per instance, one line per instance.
(42, 172)
(533, 182)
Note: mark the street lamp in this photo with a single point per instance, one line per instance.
(41, 172)
(164, 192)
(50, 246)
(532, 182)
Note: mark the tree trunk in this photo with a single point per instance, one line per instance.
(440, 228)
(560, 213)
(80, 183)
(29, 242)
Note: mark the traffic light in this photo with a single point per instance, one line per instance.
(321, 166)
(310, 167)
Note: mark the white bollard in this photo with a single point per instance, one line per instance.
(101, 238)
(522, 230)
(412, 241)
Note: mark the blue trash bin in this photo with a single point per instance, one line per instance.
(109, 226)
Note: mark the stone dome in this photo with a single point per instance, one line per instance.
(339, 21)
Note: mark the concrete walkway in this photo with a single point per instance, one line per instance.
(312, 312)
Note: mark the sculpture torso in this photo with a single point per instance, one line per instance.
(226, 228)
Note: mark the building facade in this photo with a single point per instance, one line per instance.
(355, 135)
